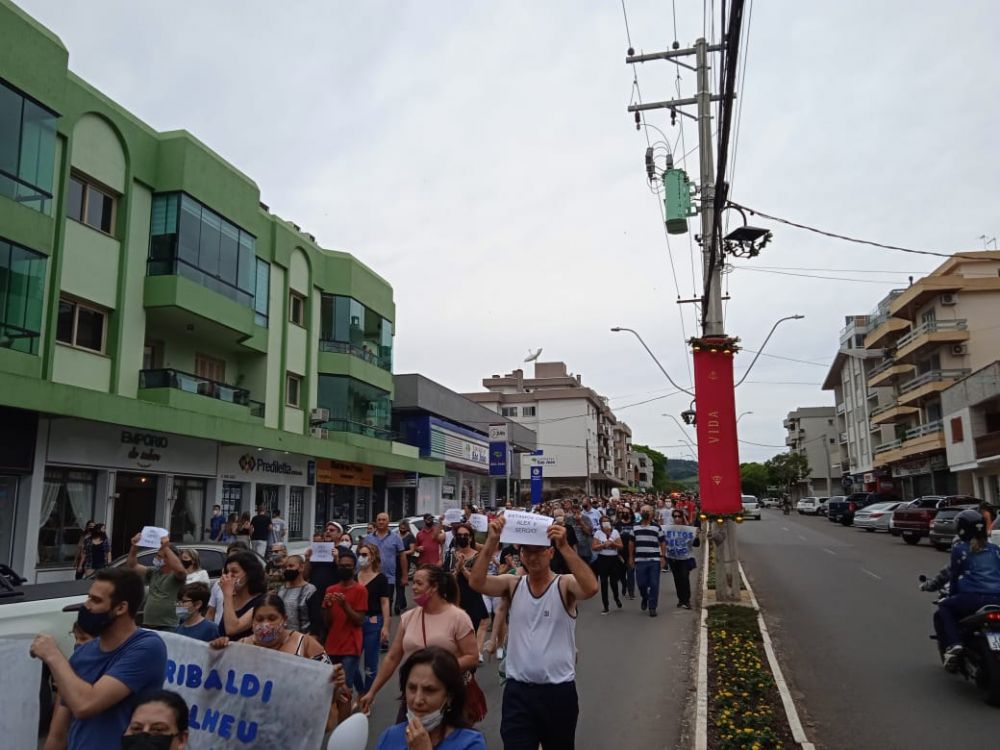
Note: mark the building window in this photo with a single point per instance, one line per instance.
(296, 503)
(348, 326)
(152, 355)
(81, 325)
(261, 301)
(355, 406)
(27, 150)
(67, 505)
(91, 204)
(508, 411)
(188, 512)
(293, 390)
(527, 411)
(22, 292)
(296, 308)
(190, 240)
(957, 430)
(209, 368)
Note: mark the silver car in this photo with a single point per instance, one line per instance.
(875, 517)
(751, 508)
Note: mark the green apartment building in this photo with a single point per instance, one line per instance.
(166, 343)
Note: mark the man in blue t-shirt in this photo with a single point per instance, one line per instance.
(99, 684)
(217, 527)
(392, 551)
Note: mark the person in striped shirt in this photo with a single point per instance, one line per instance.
(647, 556)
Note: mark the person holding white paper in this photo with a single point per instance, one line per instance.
(164, 578)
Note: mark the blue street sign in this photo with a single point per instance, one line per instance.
(498, 459)
(536, 485)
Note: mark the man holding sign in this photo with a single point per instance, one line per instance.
(165, 578)
(540, 703)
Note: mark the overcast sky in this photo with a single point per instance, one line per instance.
(479, 156)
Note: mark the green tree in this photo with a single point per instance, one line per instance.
(786, 469)
(754, 478)
(661, 478)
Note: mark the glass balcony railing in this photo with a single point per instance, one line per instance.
(340, 347)
(184, 381)
(359, 428)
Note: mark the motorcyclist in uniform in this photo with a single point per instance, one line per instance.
(974, 582)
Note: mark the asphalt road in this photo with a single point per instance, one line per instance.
(851, 630)
(635, 677)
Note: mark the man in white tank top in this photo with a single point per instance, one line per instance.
(540, 704)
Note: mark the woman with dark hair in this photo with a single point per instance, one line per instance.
(434, 695)
(243, 585)
(157, 714)
(435, 621)
(459, 560)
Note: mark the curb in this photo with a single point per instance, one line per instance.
(701, 701)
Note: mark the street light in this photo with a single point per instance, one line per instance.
(757, 355)
(683, 436)
(742, 415)
(635, 333)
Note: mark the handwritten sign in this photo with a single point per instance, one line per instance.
(19, 718)
(525, 528)
(453, 515)
(247, 697)
(479, 522)
(150, 536)
(679, 540)
(322, 552)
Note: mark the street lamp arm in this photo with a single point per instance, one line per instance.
(760, 351)
(635, 333)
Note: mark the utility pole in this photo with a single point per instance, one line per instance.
(712, 323)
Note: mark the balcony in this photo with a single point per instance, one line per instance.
(359, 428)
(843, 437)
(929, 384)
(363, 353)
(933, 333)
(988, 445)
(884, 332)
(892, 413)
(887, 372)
(184, 390)
(841, 408)
(923, 439)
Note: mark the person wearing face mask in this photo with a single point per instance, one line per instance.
(96, 550)
(99, 683)
(79, 562)
(429, 541)
(243, 585)
(295, 592)
(648, 556)
(190, 605)
(626, 573)
(217, 526)
(159, 722)
(191, 561)
(459, 561)
(215, 601)
(607, 545)
(559, 565)
(164, 578)
(276, 566)
(434, 695)
(322, 575)
(375, 628)
(344, 605)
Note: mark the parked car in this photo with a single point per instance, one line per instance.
(751, 507)
(875, 517)
(211, 556)
(825, 503)
(944, 526)
(913, 522)
(770, 502)
(842, 511)
(808, 506)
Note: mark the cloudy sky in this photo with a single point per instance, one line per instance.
(479, 156)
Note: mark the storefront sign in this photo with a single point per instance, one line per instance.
(498, 433)
(78, 442)
(536, 485)
(343, 473)
(241, 464)
(401, 479)
(498, 459)
(921, 466)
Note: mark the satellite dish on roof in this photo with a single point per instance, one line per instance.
(532, 356)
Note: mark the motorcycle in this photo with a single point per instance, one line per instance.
(979, 661)
(786, 508)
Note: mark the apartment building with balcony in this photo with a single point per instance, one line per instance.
(812, 432)
(933, 334)
(972, 432)
(572, 422)
(166, 342)
(621, 447)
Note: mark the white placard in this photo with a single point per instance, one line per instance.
(247, 697)
(322, 552)
(19, 718)
(151, 536)
(498, 433)
(479, 522)
(679, 540)
(525, 528)
(453, 515)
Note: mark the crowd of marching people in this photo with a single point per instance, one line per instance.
(472, 597)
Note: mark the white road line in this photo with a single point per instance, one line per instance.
(784, 528)
(701, 702)
(876, 577)
(801, 537)
(798, 733)
(829, 551)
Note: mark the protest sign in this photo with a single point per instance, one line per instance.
(453, 515)
(322, 552)
(248, 697)
(679, 540)
(22, 674)
(479, 522)
(525, 528)
(150, 536)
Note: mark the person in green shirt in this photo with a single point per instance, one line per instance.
(164, 580)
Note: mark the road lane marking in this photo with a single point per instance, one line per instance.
(829, 551)
(801, 537)
(876, 577)
(784, 528)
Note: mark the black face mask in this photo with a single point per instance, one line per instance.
(462, 541)
(93, 623)
(428, 524)
(147, 741)
(187, 563)
(290, 575)
(344, 575)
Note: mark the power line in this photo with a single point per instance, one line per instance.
(833, 270)
(788, 359)
(827, 278)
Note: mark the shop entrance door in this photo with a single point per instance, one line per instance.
(135, 507)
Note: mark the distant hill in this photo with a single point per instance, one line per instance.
(681, 469)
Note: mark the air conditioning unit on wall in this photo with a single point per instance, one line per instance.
(959, 350)
(948, 300)
(318, 432)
